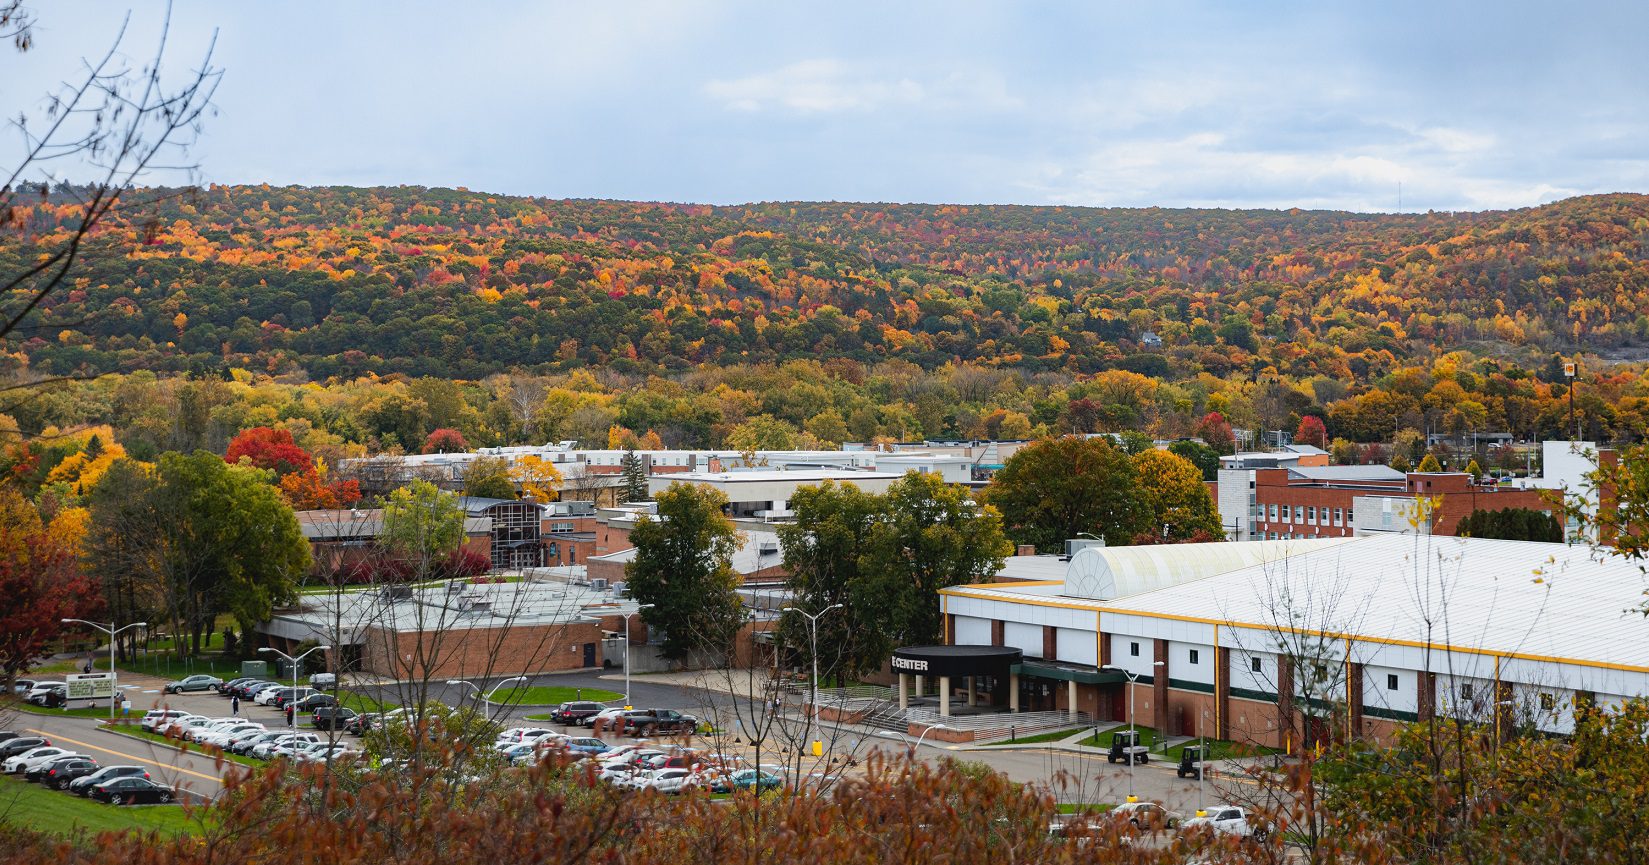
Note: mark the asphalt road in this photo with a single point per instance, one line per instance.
(191, 774)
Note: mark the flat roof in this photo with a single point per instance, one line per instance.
(800, 476)
(1521, 599)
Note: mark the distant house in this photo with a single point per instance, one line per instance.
(1150, 340)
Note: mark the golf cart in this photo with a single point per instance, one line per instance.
(1125, 746)
(1192, 762)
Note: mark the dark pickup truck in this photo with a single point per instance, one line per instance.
(333, 717)
(656, 722)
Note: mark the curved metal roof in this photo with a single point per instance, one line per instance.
(1105, 573)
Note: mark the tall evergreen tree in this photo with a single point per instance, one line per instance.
(634, 475)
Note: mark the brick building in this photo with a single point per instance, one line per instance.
(1321, 502)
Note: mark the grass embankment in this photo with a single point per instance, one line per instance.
(1147, 737)
(99, 712)
(552, 695)
(1217, 749)
(60, 813)
(1050, 736)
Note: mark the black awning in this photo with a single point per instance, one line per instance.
(956, 660)
(1060, 672)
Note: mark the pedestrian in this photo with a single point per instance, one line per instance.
(234, 705)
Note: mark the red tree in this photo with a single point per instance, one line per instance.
(39, 586)
(1216, 431)
(445, 441)
(305, 491)
(268, 448)
(1312, 432)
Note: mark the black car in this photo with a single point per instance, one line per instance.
(52, 697)
(362, 722)
(7, 735)
(227, 689)
(333, 718)
(253, 688)
(132, 791)
(58, 773)
(315, 701)
(83, 785)
(13, 747)
(575, 712)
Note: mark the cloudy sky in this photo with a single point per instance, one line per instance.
(1251, 104)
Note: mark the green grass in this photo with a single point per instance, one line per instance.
(553, 695)
(1083, 807)
(363, 702)
(140, 733)
(101, 712)
(33, 806)
(1050, 736)
(1221, 750)
(1147, 737)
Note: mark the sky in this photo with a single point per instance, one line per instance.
(1465, 106)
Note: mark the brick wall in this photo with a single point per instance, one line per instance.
(468, 652)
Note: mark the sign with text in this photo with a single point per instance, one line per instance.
(90, 686)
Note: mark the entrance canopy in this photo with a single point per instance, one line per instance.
(956, 661)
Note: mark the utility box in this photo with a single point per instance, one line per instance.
(256, 669)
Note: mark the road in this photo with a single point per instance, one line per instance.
(191, 774)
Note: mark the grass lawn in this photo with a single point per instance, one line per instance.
(137, 732)
(553, 695)
(1050, 736)
(1147, 737)
(1218, 750)
(93, 712)
(363, 702)
(25, 804)
(1083, 807)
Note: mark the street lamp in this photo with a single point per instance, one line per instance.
(487, 698)
(292, 719)
(111, 630)
(1133, 735)
(924, 736)
(813, 642)
(639, 608)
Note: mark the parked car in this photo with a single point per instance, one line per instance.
(575, 712)
(294, 747)
(605, 719)
(1147, 816)
(237, 743)
(20, 744)
(221, 738)
(193, 683)
(668, 780)
(39, 771)
(364, 721)
(132, 791)
(22, 686)
(1231, 820)
(334, 751)
(39, 688)
(269, 749)
(250, 690)
(83, 785)
(64, 772)
(227, 688)
(332, 717)
(587, 745)
(283, 696)
(153, 718)
(748, 779)
(656, 722)
(17, 764)
(51, 697)
(324, 681)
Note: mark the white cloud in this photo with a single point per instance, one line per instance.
(814, 86)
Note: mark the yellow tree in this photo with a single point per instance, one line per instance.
(536, 477)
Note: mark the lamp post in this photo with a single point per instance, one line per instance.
(487, 697)
(1569, 373)
(627, 616)
(111, 630)
(1133, 734)
(813, 643)
(292, 719)
(924, 736)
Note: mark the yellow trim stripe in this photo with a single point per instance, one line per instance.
(123, 755)
(1381, 641)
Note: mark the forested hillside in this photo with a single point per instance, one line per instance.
(338, 281)
(693, 321)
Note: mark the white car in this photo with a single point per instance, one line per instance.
(213, 725)
(668, 780)
(270, 748)
(296, 745)
(220, 738)
(607, 716)
(155, 717)
(39, 689)
(519, 735)
(326, 751)
(1231, 820)
(177, 726)
(25, 761)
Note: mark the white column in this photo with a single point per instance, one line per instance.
(1013, 692)
(921, 685)
(973, 696)
(944, 696)
(1070, 698)
(904, 696)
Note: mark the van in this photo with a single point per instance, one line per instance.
(323, 681)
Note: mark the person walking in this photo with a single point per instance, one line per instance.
(234, 706)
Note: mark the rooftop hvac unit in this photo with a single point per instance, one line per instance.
(599, 584)
(1075, 545)
(397, 593)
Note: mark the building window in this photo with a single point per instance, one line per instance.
(1547, 703)
(1339, 516)
(1391, 681)
(1273, 513)
(1256, 665)
(1133, 649)
(1194, 656)
(1465, 692)
(1299, 513)
(1311, 514)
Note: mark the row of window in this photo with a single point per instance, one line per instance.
(1306, 514)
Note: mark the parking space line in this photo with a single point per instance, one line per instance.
(55, 737)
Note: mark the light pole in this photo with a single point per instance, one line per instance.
(487, 697)
(813, 643)
(924, 736)
(1133, 734)
(292, 719)
(1569, 373)
(639, 608)
(111, 630)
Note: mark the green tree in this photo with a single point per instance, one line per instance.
(1135, 442)
(1511, 524)
(1475, 470)
(762, 433)
(1429, 464)
(1205, 458)
(422, 525)
(933, 536)
(1057, 489)
(683, 567)
(488, 478)
(1176, 496)
(823, 550)
(634, 475)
